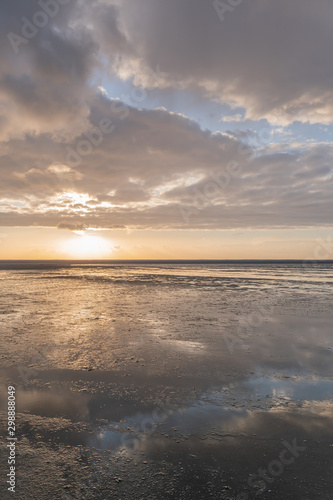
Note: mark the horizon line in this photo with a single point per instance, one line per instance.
(168, 260)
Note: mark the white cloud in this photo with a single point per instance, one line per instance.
(232, 118)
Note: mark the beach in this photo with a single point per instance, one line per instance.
(161, 380)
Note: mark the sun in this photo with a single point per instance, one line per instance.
(85, 246)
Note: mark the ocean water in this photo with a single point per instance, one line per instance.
(186, 374)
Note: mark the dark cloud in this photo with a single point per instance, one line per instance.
(72, 226)
(273, 58)
(45, 71)
(173, 175)
(71, 157)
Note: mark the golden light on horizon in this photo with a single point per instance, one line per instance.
(85, 246)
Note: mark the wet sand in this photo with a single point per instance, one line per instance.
(170, 382)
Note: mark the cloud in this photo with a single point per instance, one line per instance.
(44, 83)
(72, 226)
(72, 157)
(232, 118)
(157, 169)
(272, 58)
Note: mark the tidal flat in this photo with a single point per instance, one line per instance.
(168, 380)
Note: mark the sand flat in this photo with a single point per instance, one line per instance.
(170, 380)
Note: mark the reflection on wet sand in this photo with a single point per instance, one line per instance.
(222, 436)
(127, 388)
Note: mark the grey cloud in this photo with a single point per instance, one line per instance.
(44, 84)
(172, 168)
(72, 226)
(273, 58)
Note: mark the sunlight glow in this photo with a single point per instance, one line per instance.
(85, 246)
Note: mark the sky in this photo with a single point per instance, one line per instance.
(166, 129)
